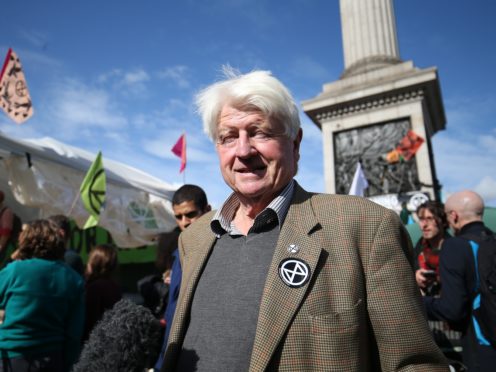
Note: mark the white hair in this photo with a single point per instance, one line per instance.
(257, 90)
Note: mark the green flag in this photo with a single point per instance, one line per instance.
(92, 191)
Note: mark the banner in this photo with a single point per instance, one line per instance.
(14, 94)
(92, 191)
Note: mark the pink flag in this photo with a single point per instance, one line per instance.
(179, 149)
(14, 95)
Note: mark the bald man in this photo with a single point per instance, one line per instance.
(457, 271)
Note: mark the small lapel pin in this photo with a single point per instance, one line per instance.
(293, 248)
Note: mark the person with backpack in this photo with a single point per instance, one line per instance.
(466, 265)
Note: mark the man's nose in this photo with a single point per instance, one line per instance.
(244, 147)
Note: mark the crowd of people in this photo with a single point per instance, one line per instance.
(278, 278)
(49, 302)
(80, 302)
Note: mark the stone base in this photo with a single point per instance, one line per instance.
(386, 95)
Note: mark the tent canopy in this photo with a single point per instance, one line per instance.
(46, 174)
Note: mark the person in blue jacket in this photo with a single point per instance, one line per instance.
(189, 203)
(42, 301)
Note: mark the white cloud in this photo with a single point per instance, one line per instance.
(462, 162)
(127, 83)
(136, 77)
(465, 151)
(77, 107)
(107, 76)
(175, 115)
(472, 112)
(178, 74)
(487, 188)
(488, 142)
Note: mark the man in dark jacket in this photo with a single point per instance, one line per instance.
(458, 277)
(189, 204)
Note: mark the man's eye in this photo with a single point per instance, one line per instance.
(192, 214)
(227, 139)
(260, 135)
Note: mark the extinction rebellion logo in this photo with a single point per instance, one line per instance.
(294, 272)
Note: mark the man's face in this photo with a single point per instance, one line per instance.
(428, 224)
(186, 213)
(256, 159)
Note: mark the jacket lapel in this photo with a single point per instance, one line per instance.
(196, 261)
(192, 267)
(280, 301)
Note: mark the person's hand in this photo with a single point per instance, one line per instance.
(423, 278)
(15, 255)
(166, 277)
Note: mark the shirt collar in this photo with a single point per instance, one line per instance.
(222, 221)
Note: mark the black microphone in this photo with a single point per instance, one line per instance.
(127, 338)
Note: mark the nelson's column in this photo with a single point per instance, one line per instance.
(378, 99)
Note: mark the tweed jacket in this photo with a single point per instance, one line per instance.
(361, 309)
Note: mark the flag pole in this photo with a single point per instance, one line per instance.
(78, 194)
(184, 154)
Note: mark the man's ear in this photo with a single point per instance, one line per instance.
(456, 218)
(208, 208)
(297, 142)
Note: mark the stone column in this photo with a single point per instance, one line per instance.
(369, 35)
(376, 101)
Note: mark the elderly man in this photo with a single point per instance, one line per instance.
(283, 279)
(457, 270)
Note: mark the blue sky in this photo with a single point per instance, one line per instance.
(120, 76)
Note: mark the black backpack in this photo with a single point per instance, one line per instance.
(484, 303)
(16, 226)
